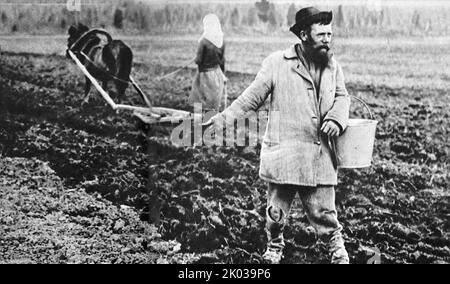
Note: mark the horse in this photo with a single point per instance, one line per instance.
(110, 61)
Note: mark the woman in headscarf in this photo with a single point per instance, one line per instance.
(209, 82)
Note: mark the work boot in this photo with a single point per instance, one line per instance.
(337, 249)
(273, 255)
(274, 228)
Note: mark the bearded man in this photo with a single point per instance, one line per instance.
(308, 106)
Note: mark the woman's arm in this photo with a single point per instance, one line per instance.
(222, 59)
(199, 56)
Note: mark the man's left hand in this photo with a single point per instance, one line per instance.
(331, 128)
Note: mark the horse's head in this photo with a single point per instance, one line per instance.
(75, 32)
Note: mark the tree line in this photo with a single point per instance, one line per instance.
(261, 17)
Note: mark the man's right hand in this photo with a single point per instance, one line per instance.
(215, 120)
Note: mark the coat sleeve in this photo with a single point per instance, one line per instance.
(255, 95)
(341, 107)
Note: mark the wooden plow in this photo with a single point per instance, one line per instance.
(149, 114)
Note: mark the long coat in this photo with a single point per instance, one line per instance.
(294, 151)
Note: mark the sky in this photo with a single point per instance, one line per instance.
(372, 3)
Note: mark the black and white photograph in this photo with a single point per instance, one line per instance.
(233, 132)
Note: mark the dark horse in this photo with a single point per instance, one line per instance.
(109, 61)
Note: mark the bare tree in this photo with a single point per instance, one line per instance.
(340, 20)
(235, 18)
(118, 19)
(291, 14)
(263, 10)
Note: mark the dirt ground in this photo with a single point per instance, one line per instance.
(84, 184)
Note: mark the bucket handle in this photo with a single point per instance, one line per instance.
(365, 105)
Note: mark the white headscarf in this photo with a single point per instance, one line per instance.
(212, 30)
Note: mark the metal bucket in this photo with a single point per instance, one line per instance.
(354, 148)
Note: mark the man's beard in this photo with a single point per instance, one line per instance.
(320, 55)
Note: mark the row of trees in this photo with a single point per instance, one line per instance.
(259, 17)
